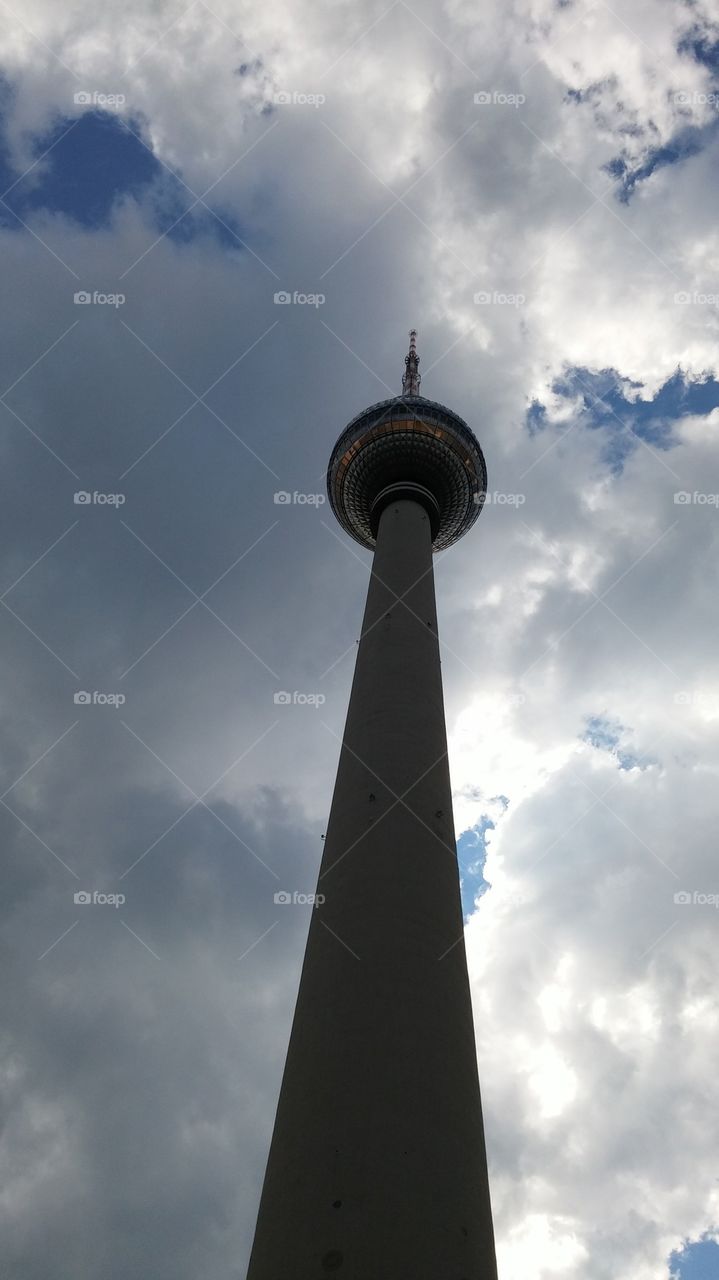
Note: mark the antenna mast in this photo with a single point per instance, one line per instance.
(411, 378)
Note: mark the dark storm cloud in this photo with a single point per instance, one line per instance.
(144, 1048)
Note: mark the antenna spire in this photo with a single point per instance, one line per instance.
(411, 378)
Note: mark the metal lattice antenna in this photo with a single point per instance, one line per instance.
(411, 378)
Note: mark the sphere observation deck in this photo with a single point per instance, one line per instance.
(407, 447)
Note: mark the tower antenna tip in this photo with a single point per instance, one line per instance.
(411, 377)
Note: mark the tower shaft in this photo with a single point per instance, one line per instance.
(377, 1169)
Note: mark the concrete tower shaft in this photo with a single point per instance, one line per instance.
(377, 1169)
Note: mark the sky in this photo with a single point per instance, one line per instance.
(534, 186)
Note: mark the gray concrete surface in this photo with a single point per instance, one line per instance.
(377, 1169)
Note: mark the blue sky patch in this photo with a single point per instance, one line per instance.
(689, 139)
(92, 162)
(536, 417)
(607, 404)
(696, 1261)
(689, 142)
(702, 45)
(607, 735)
(472, 855)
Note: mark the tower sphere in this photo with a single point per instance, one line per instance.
(407, 447)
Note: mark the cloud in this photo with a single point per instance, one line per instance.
(143, 1051)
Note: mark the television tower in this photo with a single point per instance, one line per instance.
(377, 1168)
